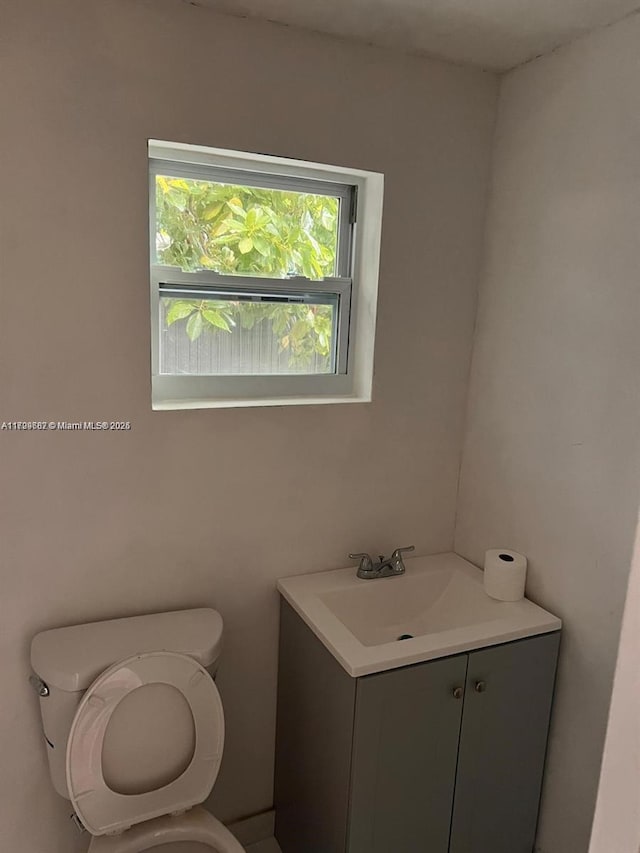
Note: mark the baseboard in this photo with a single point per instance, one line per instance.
(257, 827)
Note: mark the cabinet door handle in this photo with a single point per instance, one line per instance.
(457, 692)
(480, 686)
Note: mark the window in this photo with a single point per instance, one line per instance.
(263, 279)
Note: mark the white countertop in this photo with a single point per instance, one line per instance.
(440, 600)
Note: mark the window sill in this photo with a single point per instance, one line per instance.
(172, 405)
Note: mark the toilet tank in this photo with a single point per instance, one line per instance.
(69, 659)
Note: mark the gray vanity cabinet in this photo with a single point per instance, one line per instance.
(405, 744)
(444, 756)
(503, 739)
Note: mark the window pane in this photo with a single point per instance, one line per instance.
(223, 337)
(240, 230)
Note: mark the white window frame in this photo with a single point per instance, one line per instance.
(356, 283)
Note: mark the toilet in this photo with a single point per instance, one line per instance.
(134, 729)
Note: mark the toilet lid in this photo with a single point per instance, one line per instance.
(103, 810)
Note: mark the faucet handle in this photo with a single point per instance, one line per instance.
(400, 551)
(396, 557)
(366, 563)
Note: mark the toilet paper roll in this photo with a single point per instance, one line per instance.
(505, 574)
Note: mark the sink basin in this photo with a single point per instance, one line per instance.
(437, 608)
(423, 603)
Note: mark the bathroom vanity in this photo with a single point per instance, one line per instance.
(433, 743)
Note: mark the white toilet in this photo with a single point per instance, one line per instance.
(134, 728)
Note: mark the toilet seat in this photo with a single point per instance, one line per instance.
(197, 825)
(104, 811)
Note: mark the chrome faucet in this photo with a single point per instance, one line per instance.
(383, 567)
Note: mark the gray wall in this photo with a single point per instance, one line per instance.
(209, 507)
(551, 460)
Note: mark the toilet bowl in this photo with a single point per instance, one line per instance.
(135, 729)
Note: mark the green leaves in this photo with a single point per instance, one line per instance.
(262, 246)
(303, 331)
(194, 326)
(215, 318)
(235, 205)
(200, 314)
(178, 311)
(240, 230)
(252, 217)
(212, 210)
(245, 230)
(299, 330)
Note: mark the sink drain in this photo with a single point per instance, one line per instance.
(405, 637)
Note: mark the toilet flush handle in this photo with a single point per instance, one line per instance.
(38, 685)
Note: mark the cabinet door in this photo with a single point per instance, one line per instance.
(407, 725)
(502, 746)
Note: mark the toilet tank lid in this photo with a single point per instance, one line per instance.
(72, 658)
